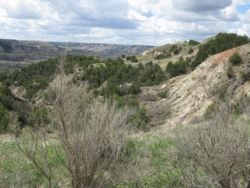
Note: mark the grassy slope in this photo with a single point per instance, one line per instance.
(156, 166)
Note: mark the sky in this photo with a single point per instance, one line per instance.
(145, 22)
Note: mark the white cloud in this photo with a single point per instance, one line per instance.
(200, 6)
(22, 9)
(121, 21)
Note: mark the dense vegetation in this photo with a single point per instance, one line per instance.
(4, 118)
(5, 105)
(111, 78)
(163, 55)
(8, 103)
(193, 43)
(221, 42)
(235, 59)
(132, 59)
(33, 78)
(178, 68)
(80, 61)
(115, 79)
(122, 79)
(175, 49)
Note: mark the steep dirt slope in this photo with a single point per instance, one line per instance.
(190, 95)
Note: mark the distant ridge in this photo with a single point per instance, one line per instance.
(30, 51)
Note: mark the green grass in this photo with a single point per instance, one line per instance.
(16, 170)
(160, 171)
(152, 151)
(13, 164)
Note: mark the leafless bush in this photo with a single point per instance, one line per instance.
(34, 146)
(158, 112)
(92, 132)
(215, 153)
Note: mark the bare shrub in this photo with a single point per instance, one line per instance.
(158, 112)
(215, 153)
(92, 131)
(34, 146)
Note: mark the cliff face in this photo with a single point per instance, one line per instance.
(189, 96)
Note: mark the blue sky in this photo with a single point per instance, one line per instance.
(147, 22)
(242, 9)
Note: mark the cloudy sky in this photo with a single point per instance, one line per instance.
(151, 22)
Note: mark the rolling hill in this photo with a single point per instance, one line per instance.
(14, 53)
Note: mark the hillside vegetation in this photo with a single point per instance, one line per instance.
(219, 43)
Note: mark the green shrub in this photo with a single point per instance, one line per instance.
(211, 109)
(41, 116)
(134, 88)
(132, 58)
(140, 119)
(235, 59)
(193, 43)
(150, 74)
(190, 50)
(22, 109)
(162, 56)
(5, 97)
(230, 73)
(245, 75)
(163, 94)
(3, 76)
(220, 91)
(177, 51)
(241, 105)
(173, 47)
(139, 116)
(4, 118)
(130, 151)
(178, 68)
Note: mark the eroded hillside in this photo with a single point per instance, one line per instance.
(163, 95)
(189, 96)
